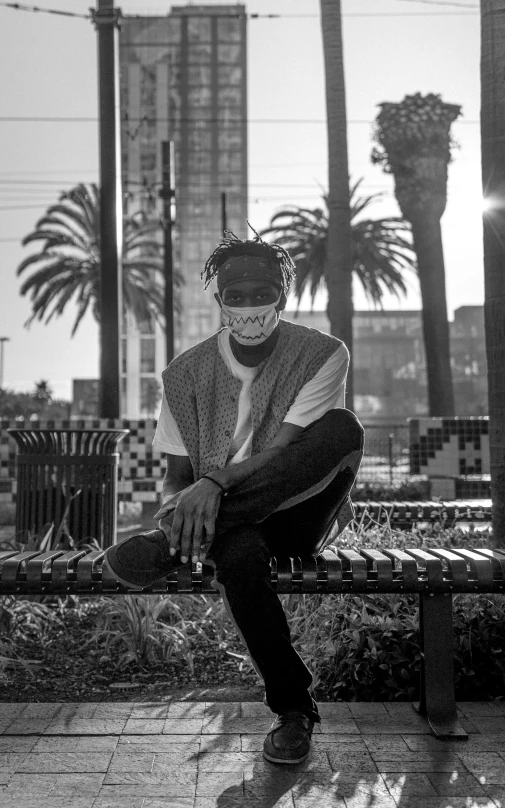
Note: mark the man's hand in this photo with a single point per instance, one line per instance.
(195, 515)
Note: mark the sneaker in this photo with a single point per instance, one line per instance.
(289, 738)
(141, 560)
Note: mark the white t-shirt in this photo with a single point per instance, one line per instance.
(325, 391)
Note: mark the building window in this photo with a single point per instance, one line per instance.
(150, 396)
(147, 355)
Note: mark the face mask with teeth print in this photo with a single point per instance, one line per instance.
(250, 325)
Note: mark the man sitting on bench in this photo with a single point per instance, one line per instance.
(261, 456)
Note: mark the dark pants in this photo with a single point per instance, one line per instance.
(250, 529)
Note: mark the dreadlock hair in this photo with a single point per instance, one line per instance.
(231, 246)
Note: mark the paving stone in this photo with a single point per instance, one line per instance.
(5, 776)
(231, 709)
(76, 710)
(457, 784)
(349, 760)
(132, 762)
(182, 726)
(98, 743)
(226, 761)
(32, 726)
(170, 802)
(390, 727)
(496, 793)
(317, 796)
(327, 727)
(22, 743)
(107, 799)
(432, 744)
(487, 726)
(400, 757)
(158, 711)
(133, 796)
(155, 745)
(223, 743)
(421, 766)
(179, 758)
(334, 711)
(441, 802)
(113, 710)
(39, 711)
(12, 760)
(209, 783)
(55, 743)
(75, 784)
(50, 801)
(478, 709)
(11, 710)
(368, 710)
(162, 740)
(401, 785)
(387, 744)
(225, 801)
(66, 762)
(176, 782)
(86, 726)
(144, 726)
(254, 709)
(487, 767)
(40, 784)
(334, 742)
(186, 709)
(232, 726)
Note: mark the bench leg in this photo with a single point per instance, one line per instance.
(438, 702)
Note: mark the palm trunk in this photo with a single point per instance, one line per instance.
(338, 272)
(427, 237)
(493, 183)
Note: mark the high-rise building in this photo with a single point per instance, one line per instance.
(183, 78)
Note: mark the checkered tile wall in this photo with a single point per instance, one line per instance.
(456, 448)
(141, 468)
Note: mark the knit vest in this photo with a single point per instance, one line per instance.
(203, 394)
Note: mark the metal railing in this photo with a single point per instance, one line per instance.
(386, 457)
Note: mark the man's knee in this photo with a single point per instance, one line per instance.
(344, 423)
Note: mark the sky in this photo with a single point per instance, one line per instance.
(392, 48)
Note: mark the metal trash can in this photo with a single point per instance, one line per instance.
(76, 469)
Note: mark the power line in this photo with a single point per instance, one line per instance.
(235, 121)
(38, 9)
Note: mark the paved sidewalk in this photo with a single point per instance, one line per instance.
(208, 755)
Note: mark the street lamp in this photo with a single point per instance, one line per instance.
(2, 340)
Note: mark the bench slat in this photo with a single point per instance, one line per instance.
(481, 568)
(433, 567)
(408, 567)
(383, 566)
(355, 564)
(456, 567)
(36, 567)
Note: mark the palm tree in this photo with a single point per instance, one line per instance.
(338, 271)
(493, 184)
(68, 265)
(381, 249)
(415, 146)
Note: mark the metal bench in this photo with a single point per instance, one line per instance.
(433, 576)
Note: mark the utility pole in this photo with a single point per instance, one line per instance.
(224, 218)
(2, 341)
(167, 194)
(106, 20)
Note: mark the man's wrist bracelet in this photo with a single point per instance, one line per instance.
(208, 477)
